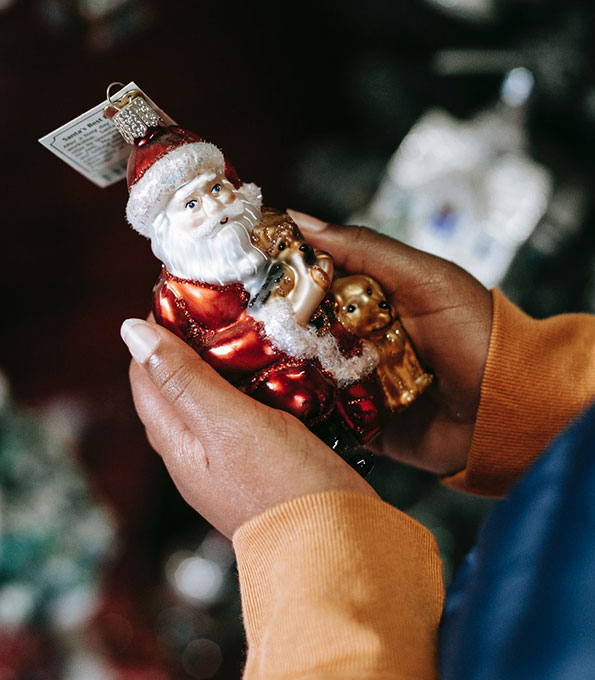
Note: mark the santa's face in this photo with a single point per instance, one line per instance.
(203, 232)
(206, 202)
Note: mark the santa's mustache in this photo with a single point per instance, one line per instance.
(209, 226)
(222, 256)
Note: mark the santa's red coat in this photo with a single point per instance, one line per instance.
(214, 320)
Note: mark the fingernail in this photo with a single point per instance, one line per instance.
(307, 222)
(140, 337)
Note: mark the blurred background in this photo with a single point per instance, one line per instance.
(465, 127)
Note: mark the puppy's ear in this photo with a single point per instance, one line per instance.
(260, 238)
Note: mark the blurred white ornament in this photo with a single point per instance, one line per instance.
(470, 10)
(465, 190)
(196, 579)
(88, 664)
(17, 601)
(517, 87)
(217, 548)
(74, 608)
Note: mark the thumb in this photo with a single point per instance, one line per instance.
(230, 456)
(359, 250)
(182, 379)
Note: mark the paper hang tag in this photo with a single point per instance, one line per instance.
(93, 146)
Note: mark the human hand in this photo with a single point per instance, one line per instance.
(448, 316)
(230, 456)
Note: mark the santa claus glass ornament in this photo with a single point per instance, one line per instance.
(241, 286)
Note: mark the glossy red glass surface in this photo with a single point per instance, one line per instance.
(213, 319)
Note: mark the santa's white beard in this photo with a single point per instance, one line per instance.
(225, 255)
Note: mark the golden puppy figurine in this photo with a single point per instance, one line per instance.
(362, 308)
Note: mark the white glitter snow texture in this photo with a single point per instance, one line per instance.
(166, 175)
(303, 343)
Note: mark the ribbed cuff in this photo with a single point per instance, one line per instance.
(335, 583)
(539, 375)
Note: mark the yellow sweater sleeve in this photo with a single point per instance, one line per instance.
(539, 375)
(339, 585)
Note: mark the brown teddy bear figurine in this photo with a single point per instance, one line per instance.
(298, 273)
(362, 308)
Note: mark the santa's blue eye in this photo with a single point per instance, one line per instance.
(351, 309)
(191, 204)
(216, 189)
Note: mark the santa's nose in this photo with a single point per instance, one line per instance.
(210, 205)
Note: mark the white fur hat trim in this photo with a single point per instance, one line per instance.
(166, 175)
(287, 335)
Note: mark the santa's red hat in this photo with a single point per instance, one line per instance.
(161, 164)
(163, 159)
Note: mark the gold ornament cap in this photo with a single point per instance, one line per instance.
(132, 115)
